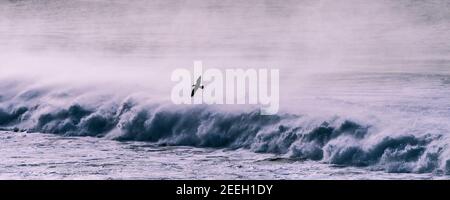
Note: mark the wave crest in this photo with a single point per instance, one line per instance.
(335, 140)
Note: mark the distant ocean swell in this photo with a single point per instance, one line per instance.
(336, 140)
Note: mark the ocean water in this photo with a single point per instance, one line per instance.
(367, 137)
(85, 90)
(43, 156)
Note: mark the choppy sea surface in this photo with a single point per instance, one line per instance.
(47, 156)
(345, 128)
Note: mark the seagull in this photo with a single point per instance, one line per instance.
(196, 86)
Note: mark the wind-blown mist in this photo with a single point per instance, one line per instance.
(363, 83)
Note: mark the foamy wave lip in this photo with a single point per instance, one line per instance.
(336, 140)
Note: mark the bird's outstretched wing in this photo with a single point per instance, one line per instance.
(193, 92)
(199, 81)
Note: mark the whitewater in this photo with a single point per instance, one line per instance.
(85, 90)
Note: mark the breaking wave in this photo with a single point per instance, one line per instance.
(335, 140)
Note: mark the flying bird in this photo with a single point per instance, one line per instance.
(197, 86)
